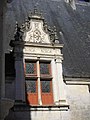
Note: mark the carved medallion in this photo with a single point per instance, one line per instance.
(37, 36)
(37, 33)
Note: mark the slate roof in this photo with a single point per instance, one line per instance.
(74, 24)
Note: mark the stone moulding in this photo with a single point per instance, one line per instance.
(77, 81)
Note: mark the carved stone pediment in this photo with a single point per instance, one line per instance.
(36, 30)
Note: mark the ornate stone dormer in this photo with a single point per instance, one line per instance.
(38, 60)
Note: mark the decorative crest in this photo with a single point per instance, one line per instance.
(35, 29)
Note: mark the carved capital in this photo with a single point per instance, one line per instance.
(58, 60)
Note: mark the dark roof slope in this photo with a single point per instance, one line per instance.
(74, 24)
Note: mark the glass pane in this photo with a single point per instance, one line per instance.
(30, 68)
(45, 86)
(44, 68)
(31, 86)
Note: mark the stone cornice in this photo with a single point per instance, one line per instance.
(76, 81)
(43, 45)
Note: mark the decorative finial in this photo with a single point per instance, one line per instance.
(26, 23)
(30, 14)
(35, 14)
(45, 26)
(16, 26)
(55, 32)
(18, 33)
(35, 10)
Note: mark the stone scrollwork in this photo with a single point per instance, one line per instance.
(38, 50)
(46, 50)
(41, 50)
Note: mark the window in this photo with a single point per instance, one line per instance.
(30, 68)
(46, 92)
(44, 68)
(31, 86)
(38, 82)
(32, 94)
(45, 86)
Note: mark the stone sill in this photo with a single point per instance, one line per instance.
(25, 107)
(50, 108)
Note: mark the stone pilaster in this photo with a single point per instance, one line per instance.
(19, 69)
(61, 90)
(54, 81)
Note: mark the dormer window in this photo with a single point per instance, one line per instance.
(37, 51)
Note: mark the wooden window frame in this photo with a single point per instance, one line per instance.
(30, 95)
(47, 97)
(43, 77)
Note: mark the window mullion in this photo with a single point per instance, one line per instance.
(39, 86)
